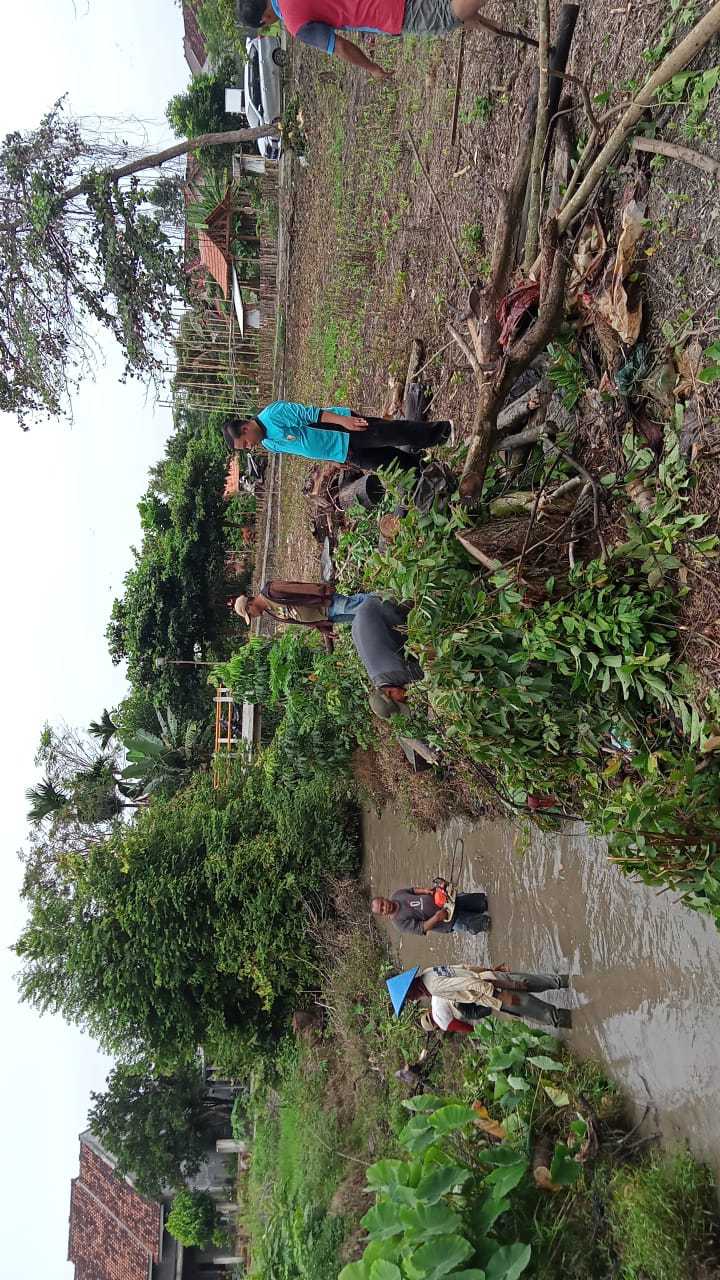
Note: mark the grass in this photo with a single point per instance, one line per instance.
(663, 1217)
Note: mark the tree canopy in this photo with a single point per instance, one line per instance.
(81, 252)
(174, 602)
(193, 920)
(154, 1124)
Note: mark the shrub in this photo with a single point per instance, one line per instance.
(191, 1219)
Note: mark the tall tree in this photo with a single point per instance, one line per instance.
(192, 921)
(81, 252)
(156, 1125)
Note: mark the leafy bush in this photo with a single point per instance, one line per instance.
(191, 1219)
(577, 693)
(206, 900)
(322, 697)
(436, 1209)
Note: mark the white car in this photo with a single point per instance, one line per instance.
(263, 89)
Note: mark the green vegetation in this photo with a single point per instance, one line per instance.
(578, 695)
(514, 1164)
(663, 1217)
(205, 898)
(191, 1219)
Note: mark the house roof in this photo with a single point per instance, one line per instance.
(194, 40)
(232, 477)
(213, 257)
(115, 1233)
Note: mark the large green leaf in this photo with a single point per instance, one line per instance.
(423, 1221)
(453, 1116)
(504, 1179)
(502, 1155)
(547, 1064)
(418, 1134)
(382, 1173)
(423, 1102)
(485, 1211)
(439, 1256)
(382, 1221)
(508, 1262)
(564, 1170)
(355, 1271)
(382, 1269)
(440, 1181)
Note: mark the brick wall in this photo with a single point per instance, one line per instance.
(114, 1232)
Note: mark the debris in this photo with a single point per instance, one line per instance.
(614, 305)
(491, 1127)
(514, 306)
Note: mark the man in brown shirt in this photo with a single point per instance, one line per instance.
(308, 604)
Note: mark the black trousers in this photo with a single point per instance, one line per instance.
(399, 440)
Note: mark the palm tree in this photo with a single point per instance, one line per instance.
(46, 800)
(104, 729)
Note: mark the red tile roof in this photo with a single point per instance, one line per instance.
(194, 42)
(232, 477)
(214, 259)
(115, 1233)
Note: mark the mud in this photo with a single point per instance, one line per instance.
(646, 970)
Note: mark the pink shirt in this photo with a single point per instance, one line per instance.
(315, 21)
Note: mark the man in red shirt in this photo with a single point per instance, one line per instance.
(316, 22)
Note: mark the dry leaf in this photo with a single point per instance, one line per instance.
(613, 304)
(688, 364)
(712, 743)
(484, 1122)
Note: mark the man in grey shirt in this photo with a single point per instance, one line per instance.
(415, 910)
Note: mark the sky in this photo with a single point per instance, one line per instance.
(68, 518)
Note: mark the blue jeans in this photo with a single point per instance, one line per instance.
(344, 608)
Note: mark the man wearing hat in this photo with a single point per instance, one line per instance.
(466, 993)
(417, 910)
(308, 604)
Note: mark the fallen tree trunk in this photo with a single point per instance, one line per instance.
(504, 367)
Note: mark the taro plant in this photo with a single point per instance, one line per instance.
(436, 1209)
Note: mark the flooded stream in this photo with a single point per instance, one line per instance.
(646, 970)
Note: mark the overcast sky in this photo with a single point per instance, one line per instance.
(67, 520)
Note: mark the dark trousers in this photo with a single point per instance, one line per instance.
(470, 913)
(399, 440)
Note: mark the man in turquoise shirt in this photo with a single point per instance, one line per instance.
(337, 435)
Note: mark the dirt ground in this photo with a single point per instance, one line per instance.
(371, 265)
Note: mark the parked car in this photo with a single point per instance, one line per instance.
(263, 89)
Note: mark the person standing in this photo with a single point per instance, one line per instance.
(474, 993)
(309, 604)
(316, 22)
(337, 435)
(415, 910)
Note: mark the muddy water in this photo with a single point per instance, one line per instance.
(646, 971)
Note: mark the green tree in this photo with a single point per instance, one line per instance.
(192, 1220)
(193, 920)
(156, 1125)
(103, 729)
(201, 108)
(81, 250)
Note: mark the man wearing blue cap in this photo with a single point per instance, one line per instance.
(476, 993)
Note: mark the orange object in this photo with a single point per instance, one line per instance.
(439, 897)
